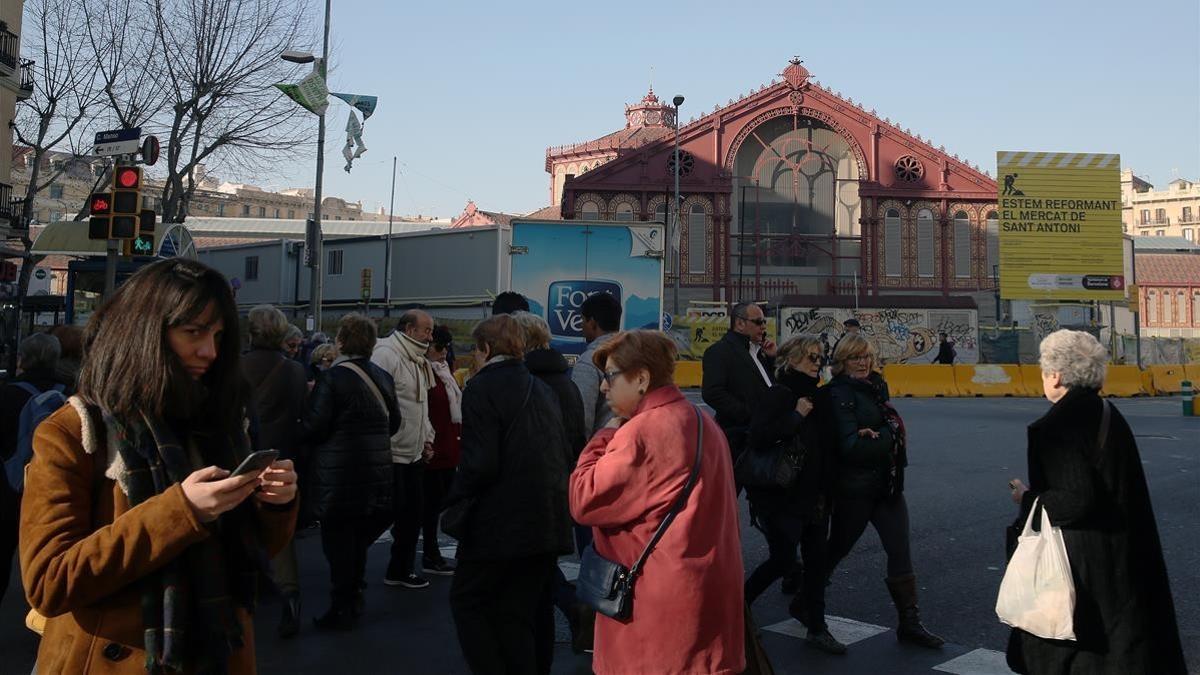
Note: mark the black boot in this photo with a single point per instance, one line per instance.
(822, 639)
(904, 595)
(339, 617)
(289, 620)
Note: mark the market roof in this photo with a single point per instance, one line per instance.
(1154, 269)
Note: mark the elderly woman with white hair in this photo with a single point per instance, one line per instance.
(1085, 471)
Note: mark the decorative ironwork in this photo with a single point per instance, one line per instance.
(687, 163)
(9, 44)
(27, 76)
(910, 169)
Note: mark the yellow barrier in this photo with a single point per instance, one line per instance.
(1123, 381)
(689, 374)
(987, 379)
(1031, 380)
(1148, 383)
(1166, 378)
(1192, 370)
(923, 380)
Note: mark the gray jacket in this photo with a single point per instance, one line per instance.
(586, 377)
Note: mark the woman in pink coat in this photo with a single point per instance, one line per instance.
(687, 607)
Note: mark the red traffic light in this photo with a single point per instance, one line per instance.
(100, 203)
(127, 178)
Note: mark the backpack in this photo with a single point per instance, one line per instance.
(41, 404)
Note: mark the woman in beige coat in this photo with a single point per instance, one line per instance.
(136, 542)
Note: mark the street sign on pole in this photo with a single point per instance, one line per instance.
(150, 150)
(118, 141)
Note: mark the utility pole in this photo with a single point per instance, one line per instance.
(387, 249)
(315, 289)
(676, 238)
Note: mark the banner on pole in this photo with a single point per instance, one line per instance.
(364, 104)
(354, 147)
(310, 92)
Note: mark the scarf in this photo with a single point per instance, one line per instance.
(442, 370)
(415, 351)
(188, 606)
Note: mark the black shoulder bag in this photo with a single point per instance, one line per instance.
(606, 586)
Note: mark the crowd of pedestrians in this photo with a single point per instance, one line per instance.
(136, 502)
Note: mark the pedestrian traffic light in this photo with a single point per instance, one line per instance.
(144, 244)
(100, 207)
(127, 185)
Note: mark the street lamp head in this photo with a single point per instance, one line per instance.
(678, 100)
(297, 56)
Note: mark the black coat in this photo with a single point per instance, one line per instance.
(514, 467)
(350, 467)
(552, 368)
(775, 419)
(12, 401)
(1124, 614)
(279, 388)
(732, 384)
(864, 464)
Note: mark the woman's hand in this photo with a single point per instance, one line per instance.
(615, 422)
(804, 406)
(278, 483)
(1018, 490)
(211, 491)
(868, 433)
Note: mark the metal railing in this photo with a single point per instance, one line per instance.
(27, 76)
(9, 46)
(8, 209)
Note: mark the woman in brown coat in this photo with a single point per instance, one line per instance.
(136, 542)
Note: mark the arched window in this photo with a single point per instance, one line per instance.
(1195, 308)
(993, 240)
(891, 236)
(590, 211)
(925, 247)
(1180, 308)
(624, 212)
(1151, 308)
(697, 240)
(1168, 309)
(962, 245)
(660, 213)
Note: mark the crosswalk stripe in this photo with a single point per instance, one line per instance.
(847, 631)
(977, 662)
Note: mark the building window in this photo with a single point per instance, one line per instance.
(147, 202)
(962, 245)
(291, 214)
(1151, 308)
(1187, 215)
(276, 213)
(1159, 233)
(334, 264)
(220, 209)
(1187, 233)
(1160, 216)
(993, 240)
(337, 217)
(56, 191)
(925, 247)
(251, 268)
(1168, 309)
(56, 216)
(1145, 216)
(891, 236)
(262, 212)
(697, 240)
(624, 212)
(590, 211)
(1195, 308)
(245, 209)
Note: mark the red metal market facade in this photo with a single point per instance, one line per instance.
(791, 190)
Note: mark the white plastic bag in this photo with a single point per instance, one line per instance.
(1037, 594)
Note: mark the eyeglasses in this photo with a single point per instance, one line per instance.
(756, 322)
(814, 357)
(609, 375)
(858, 358)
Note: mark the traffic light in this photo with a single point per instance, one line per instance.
(144, 244)
(126, 202)
(100, 206)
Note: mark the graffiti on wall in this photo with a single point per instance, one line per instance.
(899, 335)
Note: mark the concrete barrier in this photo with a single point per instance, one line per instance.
(1192, 371)
(920, 380)
(1031, 380)
(1148, 383)
(989, 379)
(1166, 378)
(689, 374)
(1123, 381)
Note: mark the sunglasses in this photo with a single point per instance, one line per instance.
(609, 375)
(815, 358)
(756, 322)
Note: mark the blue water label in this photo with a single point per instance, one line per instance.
(564, 300)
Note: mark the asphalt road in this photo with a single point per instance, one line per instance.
(962, 453)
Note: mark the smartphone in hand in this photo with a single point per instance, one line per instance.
(256, 462)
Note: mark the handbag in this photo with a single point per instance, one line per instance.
(1037, 593)
(607, 586)
(777, 466)
(456, 515)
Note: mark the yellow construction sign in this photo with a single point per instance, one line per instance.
(1060, 226)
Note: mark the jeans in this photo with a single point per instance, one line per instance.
(782, 557)
(504, 614)
(889, 516)
(408, 487)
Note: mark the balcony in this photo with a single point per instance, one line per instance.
(10, 43)
(26, 87)
(9, 210)
(1188, 218)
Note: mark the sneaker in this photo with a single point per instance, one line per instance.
(443, 567)
(409, 580)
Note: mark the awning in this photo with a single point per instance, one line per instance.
(70, 237)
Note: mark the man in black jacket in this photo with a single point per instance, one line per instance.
(737, 372)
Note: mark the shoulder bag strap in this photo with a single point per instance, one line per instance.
(679, 502)
(369, 382)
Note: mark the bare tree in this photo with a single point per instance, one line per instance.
(123, 39)
(219, 60)
(59, 113)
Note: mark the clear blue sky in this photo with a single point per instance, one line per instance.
(472, 93)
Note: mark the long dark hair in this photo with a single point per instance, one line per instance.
(129, 367)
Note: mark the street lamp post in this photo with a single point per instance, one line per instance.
(387, 250)
(675, 238)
